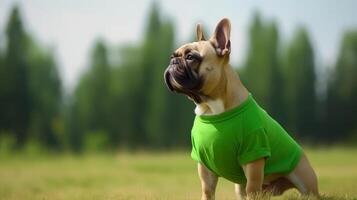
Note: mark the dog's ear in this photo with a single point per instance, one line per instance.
(221, 37)
(199, 33)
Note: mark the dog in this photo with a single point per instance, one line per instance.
(232, 136)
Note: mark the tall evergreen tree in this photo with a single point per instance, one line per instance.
(126, 98)
(150, 62)
(342, 92)
(169, 117)
(90, 107)
(300, 82)
(99, 87)
(45, 96)
(262, 73)
(276, 103)
(2, 90)
(14, 95)
(158, 102)
(254, 74)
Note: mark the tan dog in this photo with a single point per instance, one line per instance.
(201, 70)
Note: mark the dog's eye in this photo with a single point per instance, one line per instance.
(189, 57)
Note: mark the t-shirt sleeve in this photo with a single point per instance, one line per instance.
(255, 145)
(194, 153)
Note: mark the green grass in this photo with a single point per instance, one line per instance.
(148, 176)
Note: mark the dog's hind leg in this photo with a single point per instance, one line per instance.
(240, 191)
(278, 186)
(304, 178)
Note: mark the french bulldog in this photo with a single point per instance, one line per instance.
(232, 136)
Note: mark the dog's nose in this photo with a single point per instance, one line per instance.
(175, 61)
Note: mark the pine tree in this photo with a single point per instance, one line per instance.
(262, 72)
(91, 105)
(300, 82)
(45, 97)
(14, 97)
(342, 92)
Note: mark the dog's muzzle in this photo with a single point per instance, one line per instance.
(181, 78)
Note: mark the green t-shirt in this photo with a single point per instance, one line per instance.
(225, 142)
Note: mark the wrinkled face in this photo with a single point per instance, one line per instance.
(194, 70)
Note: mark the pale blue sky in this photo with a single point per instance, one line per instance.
(71, 26)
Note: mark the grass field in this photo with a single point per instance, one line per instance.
(148, 176)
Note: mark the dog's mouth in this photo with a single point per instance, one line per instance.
(181, 78)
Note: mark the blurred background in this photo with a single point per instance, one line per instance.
(85, 113)
(79, 76)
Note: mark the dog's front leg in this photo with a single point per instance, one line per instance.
(254, 172)
(208, 182)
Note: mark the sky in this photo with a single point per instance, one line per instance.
(70, 27)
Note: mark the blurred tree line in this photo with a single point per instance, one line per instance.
(122, 102)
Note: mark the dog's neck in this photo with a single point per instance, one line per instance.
(228, 94)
